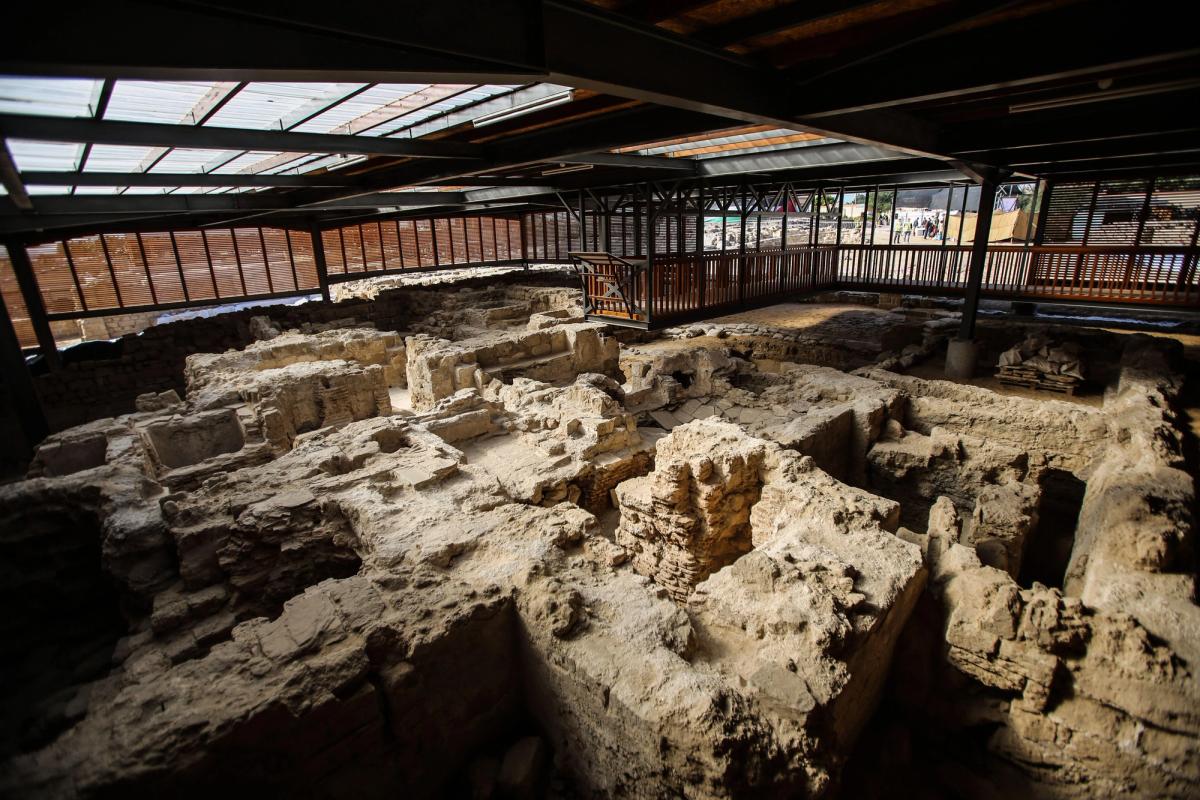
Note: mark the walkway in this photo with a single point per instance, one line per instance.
(695, 286)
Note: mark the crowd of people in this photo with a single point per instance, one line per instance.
(923, 223)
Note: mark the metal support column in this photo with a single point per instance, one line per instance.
(318, 247)
(23, 270)
(524, 240)
(983, 225)
(18, 384)
(649, 253)
(742, 247)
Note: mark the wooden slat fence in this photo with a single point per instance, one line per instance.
(705, 284)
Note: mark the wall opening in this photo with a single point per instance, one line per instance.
(1048, 550)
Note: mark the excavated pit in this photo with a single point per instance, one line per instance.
(752, 557)
(65, 624)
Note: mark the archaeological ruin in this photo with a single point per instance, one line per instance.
(504, 550)
(599, 400)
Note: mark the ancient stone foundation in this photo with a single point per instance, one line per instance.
(491, 552)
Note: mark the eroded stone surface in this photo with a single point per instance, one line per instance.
(696, 583)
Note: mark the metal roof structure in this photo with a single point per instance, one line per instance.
(202, 114)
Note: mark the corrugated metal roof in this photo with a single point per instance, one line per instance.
(344, 108)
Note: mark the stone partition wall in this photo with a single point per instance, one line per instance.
(101, 379)
(724, 578)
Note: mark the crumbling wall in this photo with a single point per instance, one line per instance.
(363, 600)
(437, 367)
(102, 379)
(1060, 435)
(691, 516)
(1088, 691)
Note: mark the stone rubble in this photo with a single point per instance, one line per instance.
(690, 566)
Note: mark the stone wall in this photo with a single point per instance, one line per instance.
(101, 379)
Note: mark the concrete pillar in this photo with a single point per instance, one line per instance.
(961, 355)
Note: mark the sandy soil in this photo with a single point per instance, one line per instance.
(841, 321)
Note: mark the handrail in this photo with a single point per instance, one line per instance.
(695, 284)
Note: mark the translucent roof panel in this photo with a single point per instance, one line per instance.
(155, 101)
(741, 141)
(297, 166)
(116, 158)
(44, 156)
(260, 106)
(51, 97)
(188, 160)
(252, 161)
(336, 118)
(98, 189)
(330, 162)
(462, 99)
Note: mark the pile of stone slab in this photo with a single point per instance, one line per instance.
(1039, 363)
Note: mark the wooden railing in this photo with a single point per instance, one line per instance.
(704, 284)
(689, 284)
(1133, 275)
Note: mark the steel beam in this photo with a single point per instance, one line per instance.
(775, 20)
(626, 160)
(506, 41)
(206, 203)
(1071, 42)
(161, 41)
(32, 295)
(172, 179)
(580, 42)
(10, 178)
(147, 134)
(796, 158)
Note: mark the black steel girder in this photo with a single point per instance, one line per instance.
(1100, 38)
(94, 131)
(169, 179)
(413, 40)
(204, 203)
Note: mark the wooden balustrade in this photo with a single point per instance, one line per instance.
(703, 284)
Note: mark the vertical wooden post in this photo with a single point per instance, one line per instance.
(318, 247)
(31, 293)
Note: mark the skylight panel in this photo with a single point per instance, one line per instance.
(102, 190)
(155, 101)
(361, 104)
(116, 158)
(260, 106)
(51, 97)
(188, 160)
(44, 156)
(251, 158)
(459, 100)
